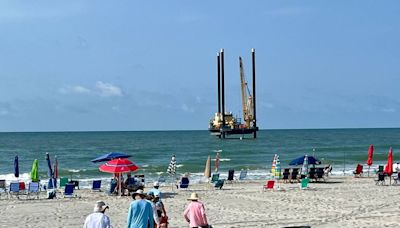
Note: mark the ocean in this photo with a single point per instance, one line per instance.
(152, 150)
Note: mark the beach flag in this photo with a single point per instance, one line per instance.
(370, 156)
(273, 165)
(172, 166)
(304, 169)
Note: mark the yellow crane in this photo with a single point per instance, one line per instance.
(247, 100)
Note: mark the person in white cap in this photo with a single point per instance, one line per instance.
(140, 213)
(195, 213)
(98, 219)
(155, 190)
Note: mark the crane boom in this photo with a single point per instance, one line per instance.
(247, 103)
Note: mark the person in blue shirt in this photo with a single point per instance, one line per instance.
(141, 212)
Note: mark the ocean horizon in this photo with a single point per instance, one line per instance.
(152, 150)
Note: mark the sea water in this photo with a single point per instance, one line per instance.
(152, 151)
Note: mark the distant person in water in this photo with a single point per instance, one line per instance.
(140, 213)
(195, 213)
(98, 219)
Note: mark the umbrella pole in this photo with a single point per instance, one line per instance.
(119, 184)
(368, 170)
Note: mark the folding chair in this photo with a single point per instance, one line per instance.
(269, 185)
(214, 178)
(243, 174)
(33, 189)
(381, 179)
(69, 191)
(96, 185)
(184, 183)
(14, 189)
(219, 184)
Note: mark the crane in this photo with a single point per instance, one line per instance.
(247, 100)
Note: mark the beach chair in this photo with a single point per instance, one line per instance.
(320, 174)
(286, 175)
(140, 178)
(231, 175)
(219, 183)
(33, 189)
(14, 189)
(50, 184)
(380, 169)
(214, 178)
(69, 190)
(113, 186)
(294, 175)
(75, 183)
(396, 179)
(184, 183)
(96, 185)
(304, 183)
(3, 188)
(63, 181)
(381, 179)
(243, 174)
(269, 185)
(312, 174)
(359, 170)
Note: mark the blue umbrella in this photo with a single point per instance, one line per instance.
(16, 167)
(300, 161)
(110, 156)
(52, 182)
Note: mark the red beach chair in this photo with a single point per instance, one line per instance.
(269, 185)
(359, 170)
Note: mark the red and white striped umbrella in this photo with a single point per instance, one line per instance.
(120, 165)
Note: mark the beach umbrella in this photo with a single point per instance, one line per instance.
(207, 170)
(16, 167)
(217, 157)
(110, 156)
(34, 171)
(304, 169)
(273, 165)
(300, 161)
(55, 167)
(118, 166)
(389, 165)
(171, 170)
(370, 155)
(51, 174)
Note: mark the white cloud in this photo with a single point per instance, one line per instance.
(186, 108)
(108, 89)
(390, 110)
(77, 89)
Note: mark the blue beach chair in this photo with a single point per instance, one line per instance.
(69, 191)
(96, 185)
(33, 189)
(184, 183)
(14, 189)
(243, 174)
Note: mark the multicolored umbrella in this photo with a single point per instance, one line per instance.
(207, 170)
(118, 166)
(277, 172)
(34, 171)
(172, 166)
(16, 167)
(273, 165)
(370, 156)
(304, 169)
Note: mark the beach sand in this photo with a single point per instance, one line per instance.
(340, 202)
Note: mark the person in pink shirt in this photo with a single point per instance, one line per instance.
(195, 213)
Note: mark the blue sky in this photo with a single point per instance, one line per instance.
(134, 65)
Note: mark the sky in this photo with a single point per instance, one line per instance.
(139, 65)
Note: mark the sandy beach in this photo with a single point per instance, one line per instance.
(340, 202)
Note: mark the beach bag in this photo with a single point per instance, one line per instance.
(51, 194)
(164, 222)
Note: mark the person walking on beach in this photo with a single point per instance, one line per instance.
(195, 213)
(140, 213)
(155, 190)
(98, 219)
